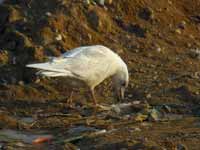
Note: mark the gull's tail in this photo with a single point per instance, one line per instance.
(50, 69)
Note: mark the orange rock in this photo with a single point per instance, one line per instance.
(40, 140)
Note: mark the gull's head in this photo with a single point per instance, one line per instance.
(120, 81)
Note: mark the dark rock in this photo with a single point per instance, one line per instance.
(187, 93)
(108, 2)
(181, 147)
(137, 30)
(16, 41)
(14, 15)
(47, 35)
(101, 2)
(195, 18)
(39, 53)
(117, 145)
(146, 13)
(182, 25)
(94, 20)
(99, 21)
(4, 13)
(4, 57)
(154, 115)
(195, 53)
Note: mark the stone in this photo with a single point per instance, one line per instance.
(137, 129)
(99, 21)
(195, 53)
(47, 35)
(154, 115)
(108, 2)
(4, 57)
(181, 147)
(49, 14)
(158, 49)
(141, 117)
(137, 29)
(148, 96)
(58, 37)
(89, 36)
(39, 53)
(87, 2)
(146, 13)
(101, 2)
(1, 1)
(37, 80)
(191, 36)
(169, 2)
(130, 95)
(178, 31)
(116, 109)
(21, 82)
(14, 60)
(14, 15)
(182, 25)
(189, 45)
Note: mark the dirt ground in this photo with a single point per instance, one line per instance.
(159, 41)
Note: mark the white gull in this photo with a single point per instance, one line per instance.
(88, 66)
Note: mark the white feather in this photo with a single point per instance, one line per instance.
(47, 66)
(90, 64)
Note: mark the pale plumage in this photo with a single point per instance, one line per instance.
(88, 64)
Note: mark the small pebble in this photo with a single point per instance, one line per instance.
(158, 49)
(137, 129)
(130, 95)
(21, 82)
(169, 2)
(181, 147)
(109, 2)
(59, 37)
(148, 96)
(37, 80)
(136, 102)
(178, 31)
(182, 25)
(87, 2)
(1, 1)
(101, 2)
(48, 14)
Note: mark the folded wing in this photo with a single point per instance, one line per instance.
(82, 63)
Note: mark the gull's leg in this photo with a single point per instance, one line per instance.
(94, 101)
(69, 100)
(97, 106)
(93, 97)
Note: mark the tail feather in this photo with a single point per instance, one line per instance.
(53, 74)
(48, 67)
(50, 70)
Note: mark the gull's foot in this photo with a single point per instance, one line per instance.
(99, 108)
(102, 107)
(70, 106)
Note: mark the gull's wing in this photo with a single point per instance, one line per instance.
(88, 62)
(85, 63)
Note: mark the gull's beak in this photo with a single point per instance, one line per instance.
(122, 91)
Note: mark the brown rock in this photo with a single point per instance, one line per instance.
(39, 53)
(47, 35)
(4, 57)
(108, 2)
(146, 13)
(99, 20)
(15, 15)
